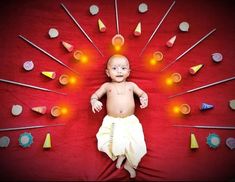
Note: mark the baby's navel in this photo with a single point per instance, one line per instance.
(121, 111)
(110, 90)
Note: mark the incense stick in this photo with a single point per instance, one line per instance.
(189, 49)
(202, 87)
(29, 127)
(79, 26)
(154, 32)
(48, 54)
(31, 86)
(207, 127)
(116, 15)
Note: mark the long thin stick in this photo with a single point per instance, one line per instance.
(116, 15)
(79, 26)
(48, 54)
(207, 127)
(29, 127)
(154, 32)
(31, 86)
(189, 49)
(202, 87)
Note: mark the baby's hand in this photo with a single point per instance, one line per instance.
(143, 102)
(97, 106)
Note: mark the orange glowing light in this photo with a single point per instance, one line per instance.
(64, 110)
(117, 47)
(72, 80)
(152, 61)
(176, 109)
(84, 59)
(118, 41)
(169, 81)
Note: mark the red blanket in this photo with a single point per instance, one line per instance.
(74, 154)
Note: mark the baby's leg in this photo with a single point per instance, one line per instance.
(120, 160)
(130, 169)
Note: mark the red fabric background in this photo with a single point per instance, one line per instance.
(74, 155)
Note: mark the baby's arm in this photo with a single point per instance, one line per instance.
(142, 95)
(95, 103)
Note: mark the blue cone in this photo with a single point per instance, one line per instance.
(206, 106)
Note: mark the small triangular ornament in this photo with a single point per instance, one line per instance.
(47, 142)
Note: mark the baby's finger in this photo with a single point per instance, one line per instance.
(99, 107)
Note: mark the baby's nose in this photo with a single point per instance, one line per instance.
(119, 69)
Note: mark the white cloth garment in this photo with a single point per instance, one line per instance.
(122, 136)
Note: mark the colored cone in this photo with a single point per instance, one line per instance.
(49, 74)
(193, 144)
(102, 27)
(67, 46)
(205, 106)
(195, 69)
(40, 109)
(171, 41)
(137, 31)
(47, 142)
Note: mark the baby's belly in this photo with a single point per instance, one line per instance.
(120, 107)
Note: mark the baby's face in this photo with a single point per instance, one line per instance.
(118, 68)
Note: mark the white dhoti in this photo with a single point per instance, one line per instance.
(122, 136)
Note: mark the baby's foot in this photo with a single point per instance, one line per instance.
(130, 169)
(119, 161)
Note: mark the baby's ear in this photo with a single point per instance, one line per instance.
(107, 72)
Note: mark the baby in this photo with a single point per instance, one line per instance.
(121, 135)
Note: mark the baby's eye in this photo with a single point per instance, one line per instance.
(114, 68)
(124, 68)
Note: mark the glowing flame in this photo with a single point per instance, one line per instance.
(72, 80)
(84, 59)
(64, 110)
(169, 81)
(117, 47)
(176, 109)
(152, 61)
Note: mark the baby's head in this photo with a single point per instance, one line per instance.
(118, 68)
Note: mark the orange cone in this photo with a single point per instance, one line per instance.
(137, 31)
(101, 25)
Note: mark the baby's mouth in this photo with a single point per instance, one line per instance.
(119, 76)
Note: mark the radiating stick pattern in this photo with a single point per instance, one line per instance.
(79, 26)
(48, 54)
(202, 87)
(189, 49)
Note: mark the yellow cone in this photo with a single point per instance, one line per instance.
(49, 74)
(68, 46)
(194, 144)
(102, 27)
(40, 109)
(137, 31)
(47, 142)
(194, 69)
